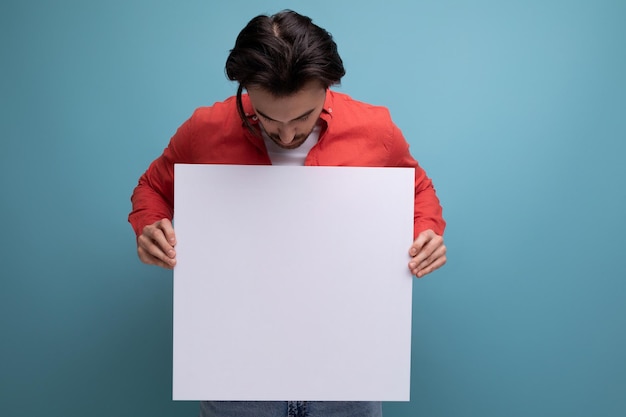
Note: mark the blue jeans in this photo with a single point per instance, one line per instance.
(291, 409)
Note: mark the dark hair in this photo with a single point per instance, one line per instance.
(281, 53)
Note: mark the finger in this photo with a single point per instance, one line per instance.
(422, 239)
(438, 263)
(150, 248)
(168, 230)
(149, 259)
(427, 250)
(430, 254)
(156, 234)
(431, 251)
(434, 259)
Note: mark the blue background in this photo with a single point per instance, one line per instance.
(517, 109)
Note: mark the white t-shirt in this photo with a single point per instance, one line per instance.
(281, 156)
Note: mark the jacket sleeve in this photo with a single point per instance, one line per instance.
(428, 213)
(153, 197)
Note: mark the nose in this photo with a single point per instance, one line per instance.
(286, 134)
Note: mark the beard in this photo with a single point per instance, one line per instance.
(297, 141)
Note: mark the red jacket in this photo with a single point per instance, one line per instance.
(354, 134)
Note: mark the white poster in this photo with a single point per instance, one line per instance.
(292, 283)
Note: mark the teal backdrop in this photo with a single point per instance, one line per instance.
(517, 109)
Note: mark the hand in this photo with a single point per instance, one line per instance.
(155, 245)
(428, 253)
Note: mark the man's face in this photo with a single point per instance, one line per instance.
(289, 120)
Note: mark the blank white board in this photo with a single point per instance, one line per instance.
(292, 283)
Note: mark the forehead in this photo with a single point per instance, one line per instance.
(287, 108)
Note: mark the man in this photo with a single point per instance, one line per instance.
(289, 116)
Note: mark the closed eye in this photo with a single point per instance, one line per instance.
(302, 118)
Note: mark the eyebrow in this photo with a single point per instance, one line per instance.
(303, 115)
